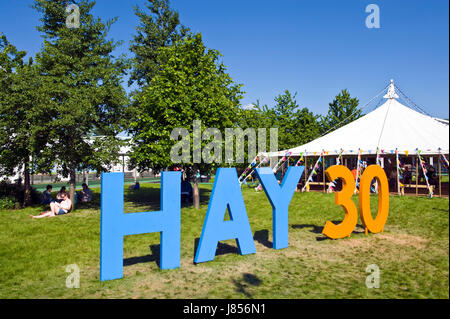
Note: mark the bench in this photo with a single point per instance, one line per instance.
(414, 186)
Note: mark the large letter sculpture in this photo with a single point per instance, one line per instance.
(226, 193)
(115, 224)
(280, 197)
(374, 225)
(343, 198)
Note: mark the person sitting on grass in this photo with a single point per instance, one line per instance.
(57, 208)
(47, 195)
(58, 196)
(135, 186)
(85, 195)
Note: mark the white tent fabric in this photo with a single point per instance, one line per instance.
(389, 127)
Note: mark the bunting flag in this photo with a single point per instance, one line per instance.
(445, 160)
(252, 166)
(314, 171)
(339, 158)
(301, 160)
(284, 158)
(424, 169)
(249, 167)
(399, 166)
(399, 171)
(358, 172)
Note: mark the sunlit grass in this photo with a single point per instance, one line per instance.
(412, 253)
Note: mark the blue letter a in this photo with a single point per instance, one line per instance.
(115, 224)
(280, 198)
(226, 193)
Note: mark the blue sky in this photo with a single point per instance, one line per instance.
(314, 48)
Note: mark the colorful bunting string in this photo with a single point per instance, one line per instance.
(249, 167)
(445, 160)
(358, 171)
(399, 171)
(301, 160)
(314, 171)
(422, 164)
(339, 158)
(284, 158)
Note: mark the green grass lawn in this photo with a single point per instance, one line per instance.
(412, 253)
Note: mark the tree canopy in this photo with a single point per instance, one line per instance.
(83, 81)
(191, 84)
(343, 110)
(157, 29)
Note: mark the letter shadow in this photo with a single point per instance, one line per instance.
(222, 249)
(246, 281)
(318, 229)
(262, 237)
(154, 257)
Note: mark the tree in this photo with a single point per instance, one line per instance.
(295, 125)
(22, 111)
(343, 110)
(83, 81)
(160, 28)
(190, 85)
(255, 118)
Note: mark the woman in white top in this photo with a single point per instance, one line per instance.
(57, 208)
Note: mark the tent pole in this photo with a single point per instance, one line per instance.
(306, 169)
(398, 178)
(323, 173)
(417, 175)
(439, 163)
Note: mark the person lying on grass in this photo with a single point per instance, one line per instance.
(57, 208)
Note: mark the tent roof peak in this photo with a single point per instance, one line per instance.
(391, 91)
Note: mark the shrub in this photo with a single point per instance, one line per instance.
(7, 203)
(16, 193)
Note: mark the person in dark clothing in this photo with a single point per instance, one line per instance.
(186, 192)
(47, 195)
(431, 175)
(407, 177)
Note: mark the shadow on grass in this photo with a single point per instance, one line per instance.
(262, 237)
(246, 281)
(222, 249)
(147, 198)
(154, 257)
(318, 229)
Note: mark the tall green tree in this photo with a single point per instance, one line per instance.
(256, 117)
(83, 80)
(22, 114)
(190, 85)
(295, 125)
(343, 110)
(159, 27)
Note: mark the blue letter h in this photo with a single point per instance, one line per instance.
(115, 224)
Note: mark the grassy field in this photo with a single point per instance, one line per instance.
(412, 253)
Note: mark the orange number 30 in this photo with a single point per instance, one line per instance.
(344, 198)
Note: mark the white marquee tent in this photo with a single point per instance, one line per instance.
(390, 127)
